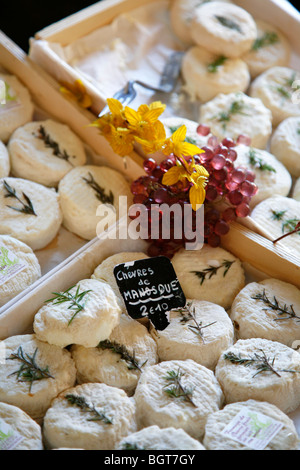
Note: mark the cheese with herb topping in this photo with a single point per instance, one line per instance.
(285, 144)
(4, 161)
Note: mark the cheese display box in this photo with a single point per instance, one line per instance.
(85, 362)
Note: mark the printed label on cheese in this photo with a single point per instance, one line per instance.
(10, 265)
(252, 429)
(9, 438)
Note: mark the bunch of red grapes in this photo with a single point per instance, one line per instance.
(228, 192)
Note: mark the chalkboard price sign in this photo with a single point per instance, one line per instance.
(150, 288)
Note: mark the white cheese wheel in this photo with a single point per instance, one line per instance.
(276, 88)
(285, 144)
(181, 16)
(271, 176)
(216, 439)
(223, 28)
(182, 339)
(270, 49)
(88, 318)
(104, 364)
(173, 123)
(233, 114)
(155, 438)
(24, 428)
(158, 405)
(36, 231)
(221, 283)
(241, 382)
(80, 203)
(34, 397)
(261, 317)
(205, 80)
(296, 190)
(28, 268)
(277, 216)
(45, 151)
(66, 425)
(18, 108)
(4, 161)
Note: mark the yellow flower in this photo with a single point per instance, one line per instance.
(76, 92)
(154, 138)
(141, 122)
(177, 145)
(121, 140)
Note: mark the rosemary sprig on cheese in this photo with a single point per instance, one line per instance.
(29, 370)
(50, 143)
(76, 300)
(285, 312)
(211, 271)
(188, 315)
(236, 107)
(177, 390)
(130, 359)
(213, 67)
(99, 191)
(267, 39)
(277, 215)
(27, 206)
(81, 403)
(228, 23)
(258, 162)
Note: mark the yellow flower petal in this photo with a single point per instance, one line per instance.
(173, 175)
(190, 149)
(115, 106)
(197, 197)
(179, 135)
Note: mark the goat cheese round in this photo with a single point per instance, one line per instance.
(206, 74)
(89, 198)
(271, 176)
(19, 268)
(285, 144)
(155, 438)
(216, 437)
(4, 161)
(276, 88)
(223, 28)
(90, 417)
(233, 114)
(45, 151)
(33, 373)
(18, 108)
(120, 360)
(296, 190)
(85, 314)
(29, 212)
(210, 274)
(278, 216)
(200, 331)
(179, 394)
(20, 432)
(262, 370)
(269, 309)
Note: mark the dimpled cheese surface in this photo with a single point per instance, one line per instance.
(234, 114)
(26, 428)
(4, 161)
(104, 363)
(157, 406)
(36, 231)
(271, 176)
(285, 142)
(85, 321)
(155, 438)
(265, 309)
(296, 190)
(244, 381)
(69, 426)
(18, 108)
(81, 203)
(182, 340)
(34, 398)
(204, 81)
(45, 151)
(23, 279)
(223, 28)
(219, 285)
(214, 439)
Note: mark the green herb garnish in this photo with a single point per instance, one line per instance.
(228, 23)
(258, 162)
(100, 192)
(277, 215)
(29, 370)
(190, 315)
(50, 143)
(214, 66)
(269, 38)
(237, 107)
(213, 270)
(76, 300)
(120, 349)
(27, 206)
(81, 403)
(177, 390)
(284, 311)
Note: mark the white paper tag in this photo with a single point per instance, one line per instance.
(10, 265)
(253, 429)
(9, 438)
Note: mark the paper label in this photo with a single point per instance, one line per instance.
(254, 430)
(10, 265)
(9, 438)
